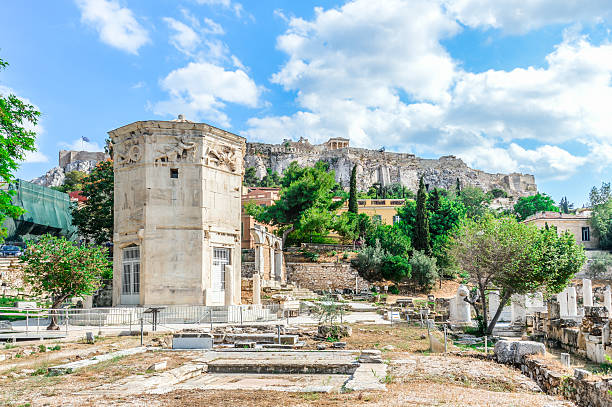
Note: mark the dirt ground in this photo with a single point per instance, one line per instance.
(416, 378)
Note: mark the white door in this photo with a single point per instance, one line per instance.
(221, 257)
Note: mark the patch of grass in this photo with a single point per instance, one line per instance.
(9, 346)
(42, 348)
(310, 396)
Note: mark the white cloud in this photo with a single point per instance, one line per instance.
(80, 145)
(520, 16)
(201, 89)
(116, 25)
(228, 4)
(185, 39)
(377, 73)
(30, 156)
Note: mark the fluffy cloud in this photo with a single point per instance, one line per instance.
(377, 73)
(116, 25)
(520, 16)
(201, 89)
(185, 39)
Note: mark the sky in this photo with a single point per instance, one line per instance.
(506, 85)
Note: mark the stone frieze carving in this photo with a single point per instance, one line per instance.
(181, 151)
(129, 151)
(223, 157)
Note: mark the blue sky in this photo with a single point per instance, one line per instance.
(507, 85)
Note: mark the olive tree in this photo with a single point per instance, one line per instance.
(64, 269)
(514, 258)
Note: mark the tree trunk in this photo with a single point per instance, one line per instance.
(53, 326)
(502, 302)
(483, 298)
(286, 233)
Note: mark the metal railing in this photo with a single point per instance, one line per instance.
(37, 319)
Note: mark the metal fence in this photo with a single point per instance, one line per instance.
(36, 319)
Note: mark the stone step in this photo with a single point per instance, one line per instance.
(282, 366)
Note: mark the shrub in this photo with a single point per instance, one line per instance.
(368, 262)
(424, 270)
(312, 256)
(599, 264)
(395, 268)
(394, 290)
(345, 255)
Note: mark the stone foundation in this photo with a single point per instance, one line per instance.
(324, 276)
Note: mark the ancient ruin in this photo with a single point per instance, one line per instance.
(177, 214)
(378, 166)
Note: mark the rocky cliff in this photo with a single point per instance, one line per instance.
(69, 160)
(383, 167)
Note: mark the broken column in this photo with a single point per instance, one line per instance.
(562, 300)
(572, 306)
(256, 289)
(519, 313)
(587, 293)
(608, 300)
(493, 303)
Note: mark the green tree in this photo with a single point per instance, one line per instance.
(302, 188)
(498, 193)
(250, 177)
(391, 238)
(369, 262)
(601, 195)
(424, 270)
(421, 227)
(73, 181)
(515, 258)
(458, 187)
(598, 265)
(347, 226)
(395, 268)
(271, 179)
(601, 221)
(352, 203)
(474, 200)
(529, 205)
(15, 141)
(94, 219)
(64, 269)
(564, 205)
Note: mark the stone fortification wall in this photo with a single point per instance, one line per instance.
(384, 167)
(324, 276)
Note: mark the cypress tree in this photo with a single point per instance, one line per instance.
(458, 187)
(352, 204)
(421, 229)
(434, 201)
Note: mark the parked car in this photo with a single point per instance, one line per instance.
(9, 250)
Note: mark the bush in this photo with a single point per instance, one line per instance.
(368, 262)
(395, 268)
(394, 290)
(424, 270)
(312, 256)
(599, 264)
(345, 255)
(332, 253)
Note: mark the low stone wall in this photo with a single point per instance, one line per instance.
(324, 276)
(584, 389)
(246, 291)
(320, 247)
(579, 386)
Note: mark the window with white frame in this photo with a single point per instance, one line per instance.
(131, 270)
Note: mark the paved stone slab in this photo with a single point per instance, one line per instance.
(368, 376)
(72, 366)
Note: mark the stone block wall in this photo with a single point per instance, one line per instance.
(248, 269)
(323, 276)
(246, 294)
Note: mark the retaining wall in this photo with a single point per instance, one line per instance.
(324, 276)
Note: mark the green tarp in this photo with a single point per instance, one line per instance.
(47, 211)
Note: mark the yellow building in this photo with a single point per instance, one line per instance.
(578, 224)
(380, 210)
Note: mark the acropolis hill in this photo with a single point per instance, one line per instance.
(372, 166)
(383, 167)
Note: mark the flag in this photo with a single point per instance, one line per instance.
(85, 139)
